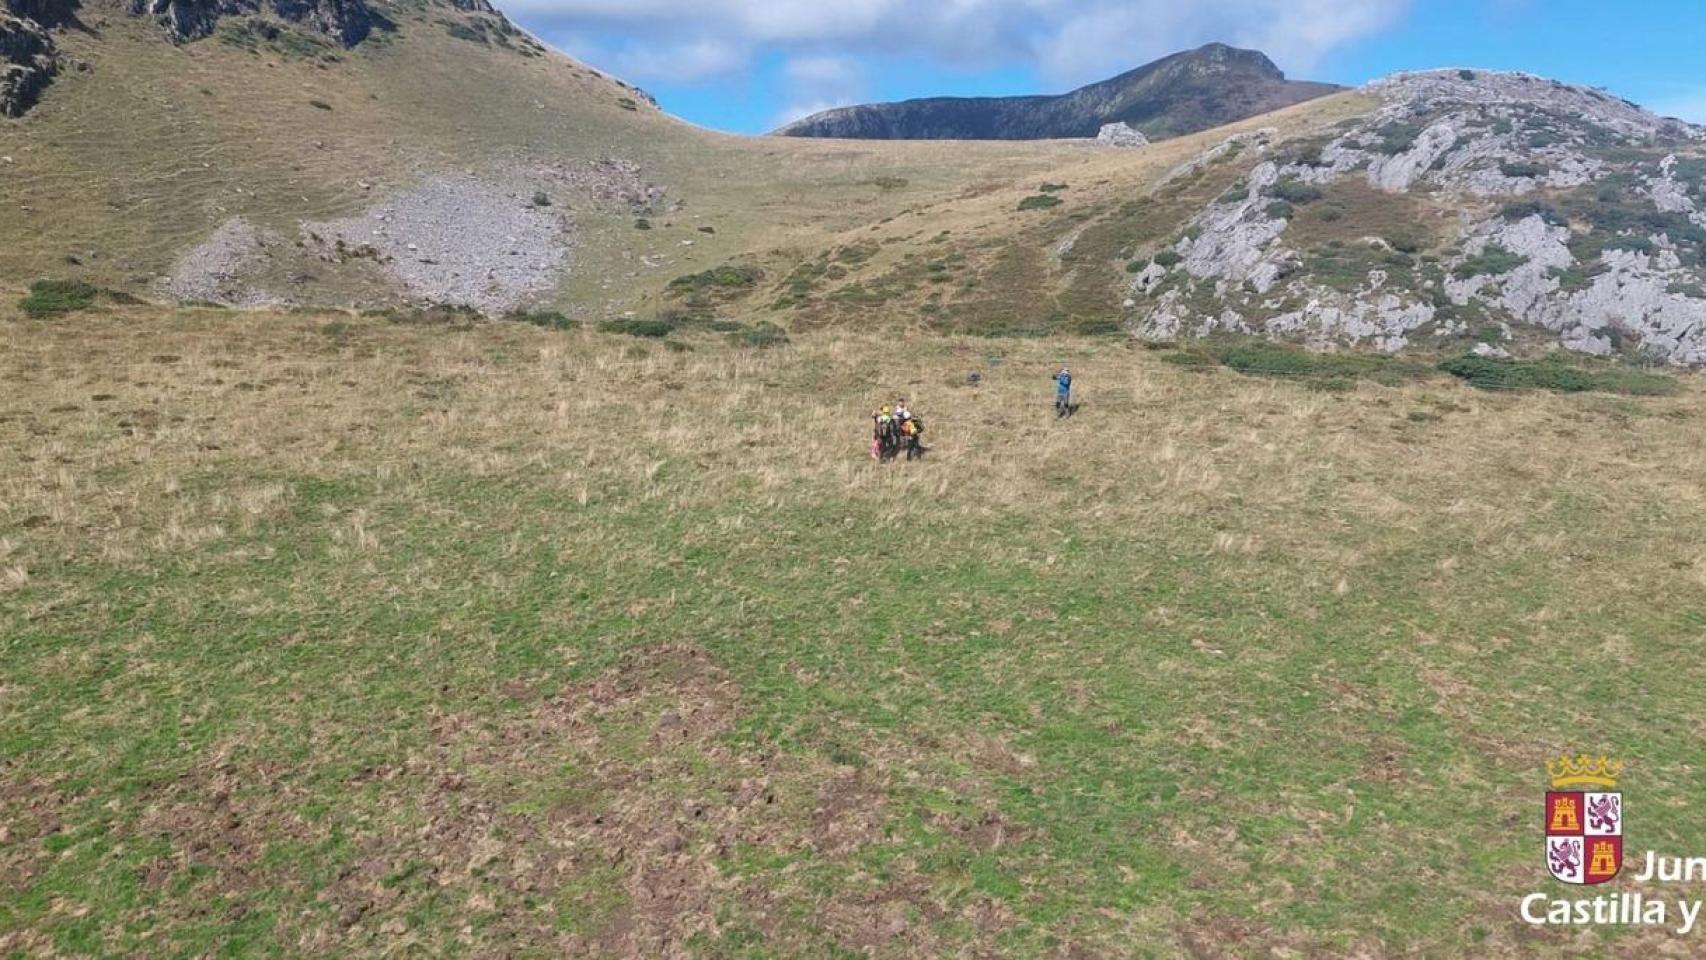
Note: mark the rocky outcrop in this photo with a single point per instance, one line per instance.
(28, 62)
(348, 22)
(47, 13)
(1121, 135)
(1578, 216)
(1184, 93)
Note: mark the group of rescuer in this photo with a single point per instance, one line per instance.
(897, 430)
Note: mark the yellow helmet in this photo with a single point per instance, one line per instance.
(885, 411)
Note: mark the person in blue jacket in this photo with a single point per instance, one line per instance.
(1063, 393)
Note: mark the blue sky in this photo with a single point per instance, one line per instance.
(749, 66)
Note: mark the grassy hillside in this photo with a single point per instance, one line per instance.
(333, 636)
(124, 167)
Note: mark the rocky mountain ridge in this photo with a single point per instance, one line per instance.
(1183, 93)
(1491, 207)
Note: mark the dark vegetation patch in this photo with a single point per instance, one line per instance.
(1295, 191)
(654, 329)
(1397, 137)
(544, 319)
(1305, 153)
(1578, 277)
(1053, 188)
(1262, 359)
(1523, 209)
(50, 298)
(1041, 201)
(452, 316)
(803, 281)
(1326, 370)
(256, 34)
(1617, 207)
(1346, 266)
(493, 31)
(1523, 170)
(1557, 374)
(1492, 261)
(725, 278)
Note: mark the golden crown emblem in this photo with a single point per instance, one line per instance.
(1583, 770)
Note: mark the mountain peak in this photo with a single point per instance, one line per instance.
(1227, 56)
(1188, 91)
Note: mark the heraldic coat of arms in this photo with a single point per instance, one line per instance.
(1584, 828)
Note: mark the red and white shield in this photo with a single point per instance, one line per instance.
(1584, 836)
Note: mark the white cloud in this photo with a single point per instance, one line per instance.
(818, 83)
(1071, 41)
(686, 61)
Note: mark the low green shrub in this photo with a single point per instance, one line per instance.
(1295, 192)
(1519, 170)
(1396, 138)
(456, 316)
(1488, 373)
(1577, 278)
(654, 329)
(726, 277)
(1041, 201)
(49, 298)
(1491, 262)
(1330, 371)
(1523, 209)
(1168, 259)
(546, 319)
(1631, 244)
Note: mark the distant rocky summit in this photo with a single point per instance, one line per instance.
(1180, 94)
(1492, 207)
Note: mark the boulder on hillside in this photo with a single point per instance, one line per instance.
(1121, 134)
